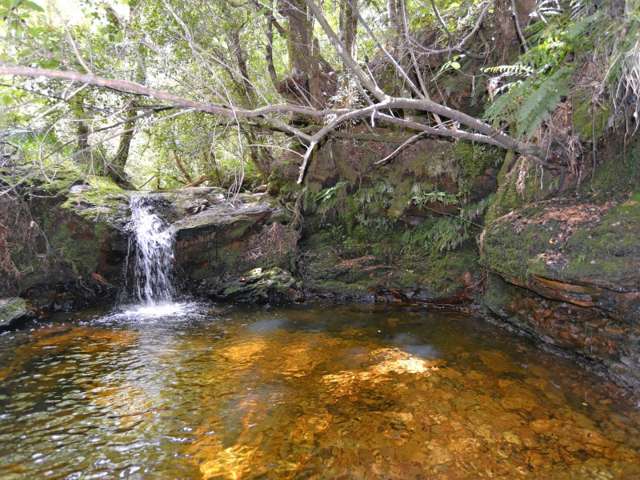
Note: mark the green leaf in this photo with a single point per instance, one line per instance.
(29, 5)
(542, 101)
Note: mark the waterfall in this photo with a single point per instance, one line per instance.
(154, 240)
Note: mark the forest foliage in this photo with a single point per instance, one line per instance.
(521, 60)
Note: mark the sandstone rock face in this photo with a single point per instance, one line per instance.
(379, 232)
(569, 273)
(76, 244)
(220, 241)
(330, 273)
(63, 251)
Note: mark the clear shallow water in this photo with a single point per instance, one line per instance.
(301, 393)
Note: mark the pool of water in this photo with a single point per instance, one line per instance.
(336, 392)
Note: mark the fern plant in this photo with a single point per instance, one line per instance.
(526, 92)
(543, 100)
(421, 197)
(447, 233)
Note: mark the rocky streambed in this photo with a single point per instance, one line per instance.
(331, 392)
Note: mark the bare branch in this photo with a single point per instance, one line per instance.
(482, 132)
(404, 144)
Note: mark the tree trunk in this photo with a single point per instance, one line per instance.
(348, 26)
(118, 164)
(306, 82)
(269, 51)
(394, 13)
(248, 91)
(83, 155)
(119, 161)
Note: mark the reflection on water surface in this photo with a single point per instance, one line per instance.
(302, 393)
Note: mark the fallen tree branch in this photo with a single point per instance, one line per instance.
(264, 116)
(126, 86)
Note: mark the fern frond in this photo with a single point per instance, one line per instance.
(421, 197)
(511, 70)
(505, 106)
(542, 101)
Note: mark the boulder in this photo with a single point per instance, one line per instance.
(220, 239)
(63, 248)
(265, 286)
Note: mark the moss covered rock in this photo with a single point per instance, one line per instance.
(268, 286)
(587, 244)
(330, 271)
(64, 248)
(572, 273)
(395, 231)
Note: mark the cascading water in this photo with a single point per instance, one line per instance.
(152, 242)
(153, 261)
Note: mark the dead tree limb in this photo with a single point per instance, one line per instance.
(271, 115)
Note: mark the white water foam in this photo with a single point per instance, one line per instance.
(172, 311)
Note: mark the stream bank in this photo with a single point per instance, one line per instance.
(450, 225)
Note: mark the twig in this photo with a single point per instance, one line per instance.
(406, 143)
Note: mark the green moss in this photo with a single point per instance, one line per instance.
(78, 244)
(441, 273)
(12, 309)
(601, 249)
(589, 120)
(509, 250)
(103, 197)
(474, 159)
(615, 175)
(520, 182)
(337, 287)
(609, 250)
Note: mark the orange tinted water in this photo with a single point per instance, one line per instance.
(303, 393)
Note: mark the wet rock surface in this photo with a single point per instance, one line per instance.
(377, 232)
(273, 286)
(65, 249)
(221, 241)
(331, 274)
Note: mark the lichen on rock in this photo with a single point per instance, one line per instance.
(12, 310)
(272, 286)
